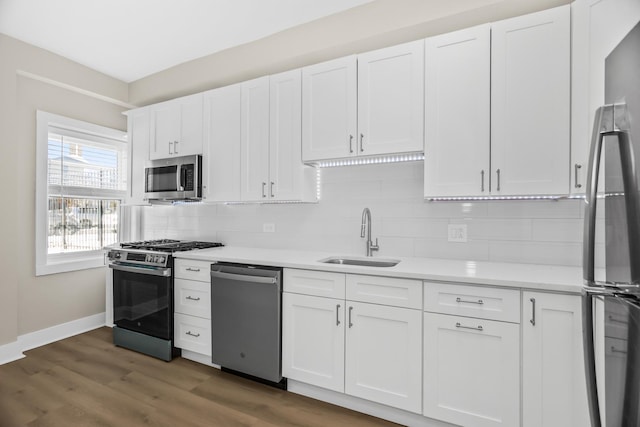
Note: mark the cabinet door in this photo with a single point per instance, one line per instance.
(255, 139)
(176, 127)
(391, 99)
(165, 129)
(597, 27)
(221, 149)
(553, 386)
(457, 113)
(471, 371)
(384, 355)
(285, 140)
(138, 128)
(190, 112)
(329, 109)
(530, 85)
(313, 340)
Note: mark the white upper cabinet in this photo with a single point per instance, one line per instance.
(138, 129)
(457, 113)
(530, 102)
(271, 164)
(597, 27)
(329, 119)
(255, 139)
(390, 99)
(367, 105)
(221, 150)
(176, 127)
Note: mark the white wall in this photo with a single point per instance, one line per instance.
(547, 232)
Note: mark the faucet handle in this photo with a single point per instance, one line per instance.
(375, 247)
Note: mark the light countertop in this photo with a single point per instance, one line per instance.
(525, 276)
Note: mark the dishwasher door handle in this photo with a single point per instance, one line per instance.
(244, 277)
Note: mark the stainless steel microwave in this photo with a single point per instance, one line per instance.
(178, 178)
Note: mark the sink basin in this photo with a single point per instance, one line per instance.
(365, 262)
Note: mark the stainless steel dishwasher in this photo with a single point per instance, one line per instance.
(246, 320)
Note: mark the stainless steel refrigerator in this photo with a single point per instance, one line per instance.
(617, 134)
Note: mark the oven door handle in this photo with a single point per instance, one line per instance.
(243, 277)
(164, 272)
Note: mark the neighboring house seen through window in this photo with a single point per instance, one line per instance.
(80, 183)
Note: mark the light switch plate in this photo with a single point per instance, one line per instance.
(457, 233)
(268, 227)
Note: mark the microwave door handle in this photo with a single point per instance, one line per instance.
(183, 177)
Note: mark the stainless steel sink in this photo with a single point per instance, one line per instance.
(365, 262)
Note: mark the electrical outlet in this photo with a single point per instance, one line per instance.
(457, 233)
(268, 227)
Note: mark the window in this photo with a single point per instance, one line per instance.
(80, 184)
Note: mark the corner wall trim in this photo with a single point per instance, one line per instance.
(76, 89)
(13, 350)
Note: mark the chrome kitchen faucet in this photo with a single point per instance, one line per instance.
(366, 222)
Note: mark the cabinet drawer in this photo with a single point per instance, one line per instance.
(192, 333)
(310, 282)
(193, 298)
(192, 270)
(392, 291)
(472, 301)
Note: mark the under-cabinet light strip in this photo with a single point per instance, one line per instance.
(371, 160)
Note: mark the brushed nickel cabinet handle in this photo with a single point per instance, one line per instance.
(192, 269)
(192, 298)
(351, 144)
(271, 189)
(473, 328)
(460, 300)
(170, 145)
(264, 185)
(533, 311)
(361, 144)
(192, 334)
(350, 309)
(575, 175)
(498, 174)
(482, 180)
(337, 314)
(175, 147)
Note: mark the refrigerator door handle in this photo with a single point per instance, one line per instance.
(590, 358)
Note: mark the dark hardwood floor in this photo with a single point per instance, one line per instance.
(86, 381)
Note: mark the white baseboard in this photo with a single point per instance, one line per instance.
(13, 351)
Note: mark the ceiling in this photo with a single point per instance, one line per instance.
(131, 39)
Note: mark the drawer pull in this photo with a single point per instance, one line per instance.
(614, 320)
(193, 269)
(476, 328)
(192, 298)
(337, 314)
(460, 300)
(350, 309)
(615, 350)
(192, 334)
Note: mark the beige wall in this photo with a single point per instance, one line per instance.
(29, 303)
(378, 24)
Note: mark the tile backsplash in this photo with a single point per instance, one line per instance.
(537, 231)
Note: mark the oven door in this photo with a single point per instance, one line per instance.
(143, 300)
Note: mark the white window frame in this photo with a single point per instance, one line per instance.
(59, 263)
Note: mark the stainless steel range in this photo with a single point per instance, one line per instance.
(143, 294)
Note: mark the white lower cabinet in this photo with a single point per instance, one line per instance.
(371, 351)
(192, 306)
(313, 340)
(553, 385)
(471, 371)
(383, 357)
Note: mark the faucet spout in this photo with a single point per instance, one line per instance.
(365, 231)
